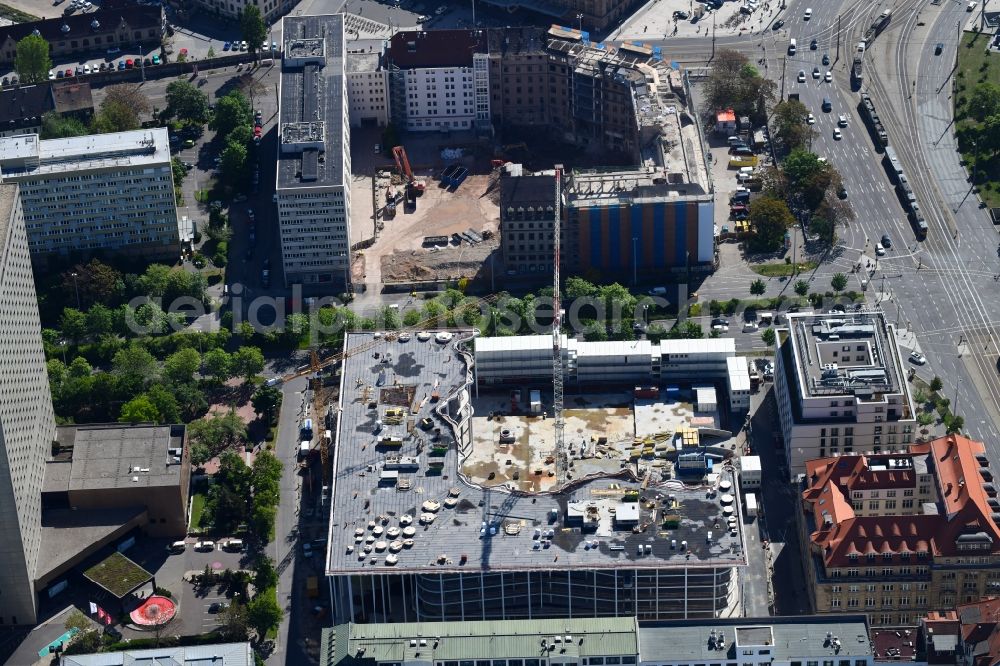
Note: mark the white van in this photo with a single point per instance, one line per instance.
(808, 14)
(234, 545)
(304, 449)
(177, 547)
(791, 46)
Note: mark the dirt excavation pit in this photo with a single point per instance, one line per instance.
(400, 254)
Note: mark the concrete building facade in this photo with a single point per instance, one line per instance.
(270, 10)
(439, 80)
(313, 191)
(367, 83)
(840, 387)
(27, 423)
(528, 358)
(897, 534)
(101, 193)
(769, 641)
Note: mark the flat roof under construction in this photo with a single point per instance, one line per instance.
(401, 502)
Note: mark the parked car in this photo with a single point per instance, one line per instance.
(917, 357)
(226, 46)
(205, 545)
(121, 65)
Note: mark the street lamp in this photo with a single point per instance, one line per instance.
(76, 288)
(579, 19)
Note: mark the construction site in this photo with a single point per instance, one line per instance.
(450, 505)
(434, 226)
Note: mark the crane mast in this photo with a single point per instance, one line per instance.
(557, 364)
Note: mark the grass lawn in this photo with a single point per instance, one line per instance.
(779, 269)
(197, 509)
(976, 65)
(273, 594)
(16, 15)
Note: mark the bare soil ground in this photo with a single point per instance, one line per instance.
(398, 254)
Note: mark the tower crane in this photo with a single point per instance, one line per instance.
(562, 456)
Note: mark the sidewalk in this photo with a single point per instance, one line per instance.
(655, 21)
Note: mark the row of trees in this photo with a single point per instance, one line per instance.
(244, 495)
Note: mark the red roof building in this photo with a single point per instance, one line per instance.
(895, 534)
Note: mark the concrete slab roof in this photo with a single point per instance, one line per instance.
(437, 514)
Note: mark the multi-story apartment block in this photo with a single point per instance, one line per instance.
(598, 15)
(109, 193)
(314, 169)
(89, 32)
(841, 387)
(897, 534)
(27, 423)
(524, 77)
(439, 80)
(367, 83)
(969, 635)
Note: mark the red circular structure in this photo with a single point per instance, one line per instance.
(153, 612)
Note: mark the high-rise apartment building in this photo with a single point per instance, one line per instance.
(27, 424)
(841, 387)
(111, 193)
(314, 165)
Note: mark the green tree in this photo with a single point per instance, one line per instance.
(234, 163)
(266, 401)
(130, 95)
(100, 320)
(768, 337)
(758, 287)
(789, 121)
(31, 59)
(265, 575)
(936, 384)
(734, 83)
(166, 404)
(253, 28)
(925, 419)
(187, 102)
(807, 176)
(231, 111)
(838, 282)
(114, 117)
(801, 287)
(769, 220)
(134, 368)
(97, 282)
(411, 318)
(57, 126)
(692, 330)
(139, 409)
(984, 100)
(233, 624)
(73, 324)
(218, 364)
(955, 424)
(391, 320)
(577, 287)
(246, 331)
(182, 364)
(212, 435)
(595, 332)
(265, 477)
(248, 362)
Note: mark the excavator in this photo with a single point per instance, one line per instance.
(414, 187)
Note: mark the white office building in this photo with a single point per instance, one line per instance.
(112, 193)
(27, 424)
(367, 83)
(738, 378)
(841, 387)
(314, 165)
(529, 357)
